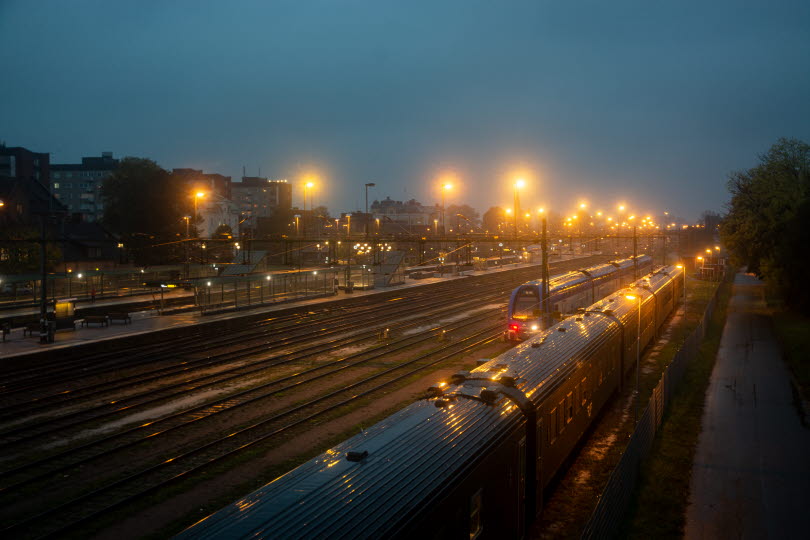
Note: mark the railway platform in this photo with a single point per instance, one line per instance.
(147, 322)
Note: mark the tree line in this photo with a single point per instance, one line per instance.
(767, 227)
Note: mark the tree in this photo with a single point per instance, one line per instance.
(493, 219)
(769, 215)
(468, 222)
(145, 205)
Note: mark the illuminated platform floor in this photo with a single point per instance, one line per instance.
(149, 321)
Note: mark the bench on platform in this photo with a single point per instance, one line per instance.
(119, 316)
(103, 320)
(32, 328)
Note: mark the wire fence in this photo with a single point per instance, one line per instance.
(615, 500)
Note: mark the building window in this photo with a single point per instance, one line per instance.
(56, 185)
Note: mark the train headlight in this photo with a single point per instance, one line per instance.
(534, 327)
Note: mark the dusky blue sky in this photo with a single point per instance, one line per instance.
(652, 103)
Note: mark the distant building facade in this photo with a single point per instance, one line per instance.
(216, 211)
(78, 185)
(213, 183)
(258, 197)
(403, 217)
(21, 163)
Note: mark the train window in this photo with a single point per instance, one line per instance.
(577, 396)
(584, 391)
(561, 412)
(552, 426)
(476, 526)
(569, 406)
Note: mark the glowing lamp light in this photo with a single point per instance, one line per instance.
(520, 182)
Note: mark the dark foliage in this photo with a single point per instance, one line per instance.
(145, 205)
(769, 214)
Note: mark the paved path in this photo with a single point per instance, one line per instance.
(751, 475)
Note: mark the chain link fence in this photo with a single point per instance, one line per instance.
(615, 500)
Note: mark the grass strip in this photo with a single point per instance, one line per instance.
(662, 494)
(792, 332)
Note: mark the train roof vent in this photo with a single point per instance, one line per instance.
(507, 380)
(481, 362)
(578, 319)
(608, 312)
(488, 396)
(561, 329)
(460, 377)
(357, 456)
(536, 344)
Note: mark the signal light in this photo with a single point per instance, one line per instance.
(514, 327)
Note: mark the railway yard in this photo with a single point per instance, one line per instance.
(140, 440)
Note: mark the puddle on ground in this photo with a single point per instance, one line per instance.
(149, 414)
(453, 318)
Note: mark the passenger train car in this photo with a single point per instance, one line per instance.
(471, 461)
(567, 293)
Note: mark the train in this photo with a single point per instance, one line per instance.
(473, 457)
(567, 293)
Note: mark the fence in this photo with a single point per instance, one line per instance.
(218, 293)
(24, 290)
(616, 497)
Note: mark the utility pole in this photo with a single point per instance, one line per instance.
(370, 184)
(635, 254)
(44, 331)
(545, 277)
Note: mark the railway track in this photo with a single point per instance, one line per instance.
(82, 506)
(84, 509)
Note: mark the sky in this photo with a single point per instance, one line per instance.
(648, 103)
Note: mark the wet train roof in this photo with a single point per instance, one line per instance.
(408, 453)
(580, 276)
(559, 349)
(408, 459)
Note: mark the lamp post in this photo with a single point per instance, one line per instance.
(519, 183)
(638, 348)
(370, 184)
(447, 186)
(544, 272)
(307, 187)
(198, 195)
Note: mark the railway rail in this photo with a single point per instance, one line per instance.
(263, 335)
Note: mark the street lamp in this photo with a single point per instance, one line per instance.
(307, 189)
(198, 195)
(447, 186)
(370, 184)
(519, 183)
(638, 346)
